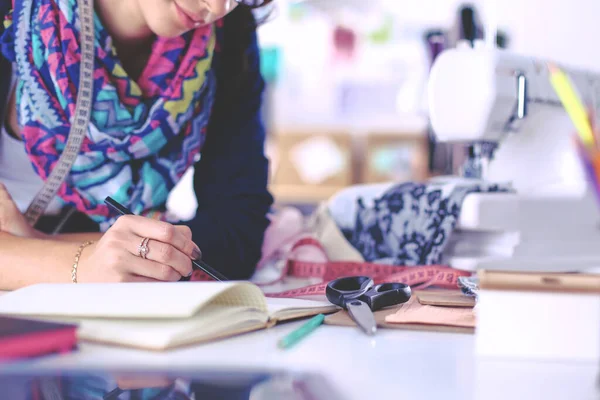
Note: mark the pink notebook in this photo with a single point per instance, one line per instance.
(21, 338)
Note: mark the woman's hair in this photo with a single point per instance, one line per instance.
(237, 58)
(240, 27)
(242, 23)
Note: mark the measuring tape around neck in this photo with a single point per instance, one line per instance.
(79, 120)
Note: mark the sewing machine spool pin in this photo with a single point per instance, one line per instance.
(520, 111)
(481, 153)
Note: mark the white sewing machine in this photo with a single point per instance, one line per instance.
(552, 222)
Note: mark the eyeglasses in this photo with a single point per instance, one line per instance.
(253, 3)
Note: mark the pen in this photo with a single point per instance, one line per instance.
(302, 332)
(122, 210)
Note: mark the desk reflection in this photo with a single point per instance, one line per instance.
(101, 386)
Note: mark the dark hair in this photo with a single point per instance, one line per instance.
(237, 56)
(241, 24)
(239, 29)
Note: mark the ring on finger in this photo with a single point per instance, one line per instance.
(143, 248)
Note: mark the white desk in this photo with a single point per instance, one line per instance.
(394, 365)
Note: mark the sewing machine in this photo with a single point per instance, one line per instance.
(504, 105)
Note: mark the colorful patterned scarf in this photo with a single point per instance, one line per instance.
(143, 134)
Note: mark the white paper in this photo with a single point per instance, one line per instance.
(124, 300)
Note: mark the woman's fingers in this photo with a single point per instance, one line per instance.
(140, 270)
(185, 231)
(137, 278)
(162, 253)
(179, 237)
(11, 219)
(4, 195)
(169, 248)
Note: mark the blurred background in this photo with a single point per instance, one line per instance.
(346, 99)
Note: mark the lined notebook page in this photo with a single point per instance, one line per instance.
(242, 295)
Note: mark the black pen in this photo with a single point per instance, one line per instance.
(119, 208)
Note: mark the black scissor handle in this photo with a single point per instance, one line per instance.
(342, 290)
(386, 294)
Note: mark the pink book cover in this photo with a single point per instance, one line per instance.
(23, 338)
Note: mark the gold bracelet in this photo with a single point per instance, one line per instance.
(76, 263)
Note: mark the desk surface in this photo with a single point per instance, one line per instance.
(394, 364)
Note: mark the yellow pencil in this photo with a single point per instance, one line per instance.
(573, 105)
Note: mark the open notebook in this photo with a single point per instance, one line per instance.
(157, 316)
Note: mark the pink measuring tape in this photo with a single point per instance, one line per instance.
(418, 277)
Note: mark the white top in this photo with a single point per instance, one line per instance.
(16, 171)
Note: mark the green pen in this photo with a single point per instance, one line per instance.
(300, 333)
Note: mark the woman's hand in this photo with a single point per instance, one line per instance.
(12, 220)
(116, 258)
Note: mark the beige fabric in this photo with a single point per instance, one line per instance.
(322, 225)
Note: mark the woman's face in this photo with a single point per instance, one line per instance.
(170, 18)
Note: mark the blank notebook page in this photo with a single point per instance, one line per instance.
(153, 333)
(128, 300)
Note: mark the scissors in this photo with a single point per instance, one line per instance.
(360, 297)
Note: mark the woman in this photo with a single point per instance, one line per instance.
(176, 84)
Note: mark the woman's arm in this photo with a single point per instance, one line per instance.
(114, 258)
(230, 180)
(73, 237)
(26, 261)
